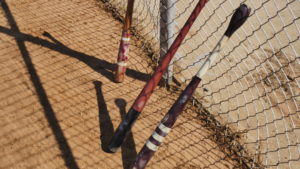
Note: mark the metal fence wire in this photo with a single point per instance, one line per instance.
(253, 88)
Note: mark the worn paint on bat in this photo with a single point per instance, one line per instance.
(122, 57)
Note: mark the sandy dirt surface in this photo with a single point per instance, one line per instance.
(59, 106)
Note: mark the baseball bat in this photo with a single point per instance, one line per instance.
(157, 137)
(124, 44)
(145, 94)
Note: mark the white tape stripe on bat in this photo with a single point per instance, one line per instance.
(212, 57)
(204, 68)
(158, 137)
(164, 128)
(125, 39)
(151, 146)
(122, 63)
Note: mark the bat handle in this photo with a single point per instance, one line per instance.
(165, 125)
(123, 129)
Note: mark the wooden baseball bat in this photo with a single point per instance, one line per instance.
(124, 44)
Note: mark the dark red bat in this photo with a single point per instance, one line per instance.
(155, 140)
(124, 44)
(145, 94)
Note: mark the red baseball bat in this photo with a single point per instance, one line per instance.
(145, 94)
(155, 140)
(124, 44)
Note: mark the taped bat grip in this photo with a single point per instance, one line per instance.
(165, 126)
(123, 129)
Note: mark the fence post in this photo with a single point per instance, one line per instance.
(167, 29)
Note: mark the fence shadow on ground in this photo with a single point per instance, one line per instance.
(99, 65)
(41, 93)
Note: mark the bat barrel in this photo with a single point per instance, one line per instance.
(124, 45)
(122, 57)
(165, 125)
(239, 17)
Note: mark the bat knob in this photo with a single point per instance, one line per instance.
(238, 19)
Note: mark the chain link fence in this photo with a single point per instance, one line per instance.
(253, 88)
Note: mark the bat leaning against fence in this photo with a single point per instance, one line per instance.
(155, 140)
(124, 44)
(145, 94)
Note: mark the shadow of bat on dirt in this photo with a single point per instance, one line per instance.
(99, 65)
(128, 149)
(106, 126)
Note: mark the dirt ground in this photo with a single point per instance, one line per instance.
(59, 106)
